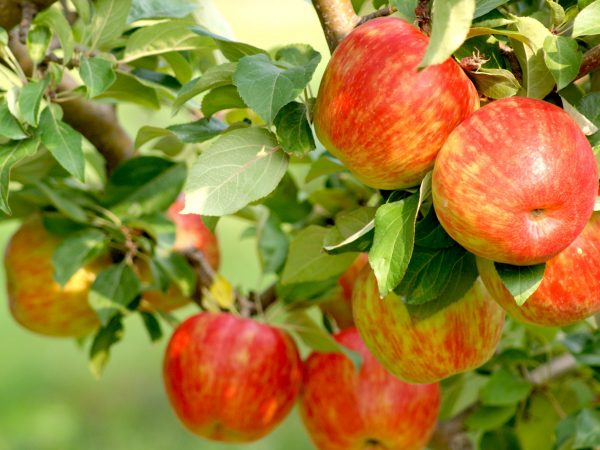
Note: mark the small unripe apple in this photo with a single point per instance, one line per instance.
(453, 339)
(570, 289)
(379, 114)
(38, 302)
(515, 182)
(369, 409)
(229, 378)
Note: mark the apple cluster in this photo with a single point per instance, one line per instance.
(513, 182)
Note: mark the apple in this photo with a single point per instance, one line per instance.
(516, 182)
(379, 114)
(570, 289)
(229, 378)
(190, 231)
(38, 302)
(339, 306)
(423, 349)
(344, 409)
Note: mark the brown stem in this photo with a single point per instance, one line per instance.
(379, 13)
(337, 19)
(11, 11)
(515, 66)
(423, 16)
(590, 62)
(28, 12)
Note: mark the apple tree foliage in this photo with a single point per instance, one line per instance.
(244, 146)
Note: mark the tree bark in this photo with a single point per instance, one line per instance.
(337, 18)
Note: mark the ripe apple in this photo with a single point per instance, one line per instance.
(190, 231)
(570, 289)
(36, 301)
(340, 305)
(381, 116)
(516, 182)
(344, 409)
(454, 339)
(231, 379)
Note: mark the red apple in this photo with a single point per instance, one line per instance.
(570, 289)
(454, 339)
(516, 182)
(340, 305)
(190, 231)
(38, 302)
(231, 379)
(381, 116)
(346, 410)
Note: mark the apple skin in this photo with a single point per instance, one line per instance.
(346, 410)
(516, 182)
(340, 305)
(36, 301)
(231, 379)
(570, 289)
(378, 114)
(457, 338)
(190, 231)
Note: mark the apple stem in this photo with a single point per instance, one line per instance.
(379, 13)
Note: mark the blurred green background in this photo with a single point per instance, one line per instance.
(48, 398)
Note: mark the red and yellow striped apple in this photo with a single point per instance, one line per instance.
(570, 289)
(340, 305)
(190, 231)
(36, 301)
(454, 339)
(229, 378)
(343, 409)
(516, 182)
(381, 116)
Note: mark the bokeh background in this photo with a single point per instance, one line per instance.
(48, 398)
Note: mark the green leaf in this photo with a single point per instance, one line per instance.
(521, 281)
(483, 7)
(55, 21)
(214, 77)
(62, 141)
(75, 251)
(83, 9)
(587, 426)
(557, 12)
(224, 97)
(10, 154)
(563, 59)
(504, 388)
(152, 326)
(393, 242)
(293, 130)
(38, 41)
(199, 131)
(129, 89)
(406, 8)
(158, 226)
(97, 74)
(146, 9)
(451, 23)
(30, 99)
(272, 242)
(240, 167)
(429, 233)
(586, 125)
(164, 37)
(144, 185)
(431, 272)
(265, 87)
(179, 272)
(65, 205)
(495, 83)
(490, 417)
(114, 288)
(353, 232)
(149, 133)
(232, 50)
(9, 125)
(301, 55)
(105, 338)
(109, 21)
(323, 166)
(537, 79)
(308, 262)
(587, 22)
